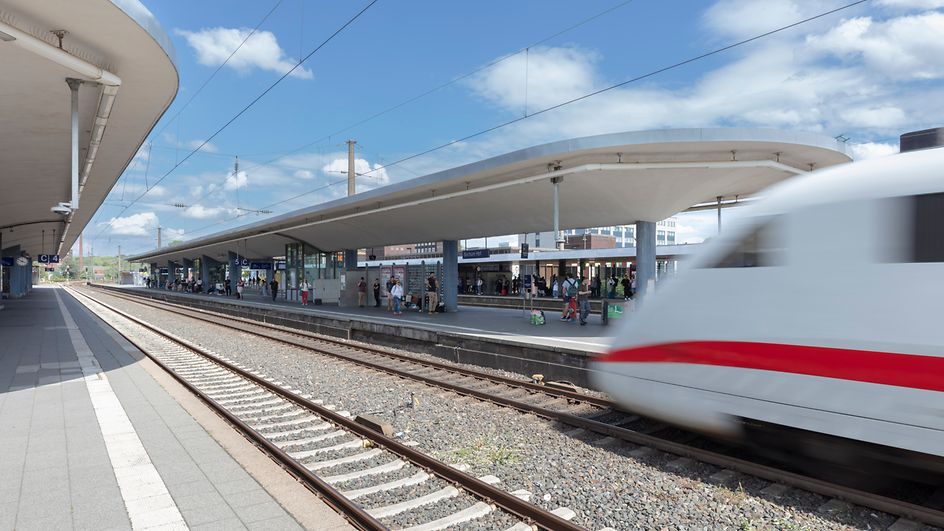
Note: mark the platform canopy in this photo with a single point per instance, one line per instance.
(606, 180)
(125, 62)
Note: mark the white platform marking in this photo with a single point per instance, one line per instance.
(144, 493)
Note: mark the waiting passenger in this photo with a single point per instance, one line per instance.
(303, 289)
(397, 293)
(583, 300)
(274, 286)
(361, 293)
(432, 293)
(376, 288)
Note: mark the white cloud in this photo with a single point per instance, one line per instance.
(170, 234)
(874, 117)
(140, 224)
(366, 176)
(913, 4)
(553, 75)
(209, 147)
(871, 150)
(907, 47)
(303, 174)
(739, 19)
(237, 181)
(262, 50)
(202, 212)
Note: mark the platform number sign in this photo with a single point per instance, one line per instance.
(49, 258)
(524, 250)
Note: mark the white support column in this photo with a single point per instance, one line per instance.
(74, 90)
(558, 237)
(645, 256)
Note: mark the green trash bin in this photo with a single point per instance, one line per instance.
(614, 311)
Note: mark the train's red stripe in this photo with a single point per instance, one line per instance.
(903, 370)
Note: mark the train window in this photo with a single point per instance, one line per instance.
(761, 248)
(928, 231)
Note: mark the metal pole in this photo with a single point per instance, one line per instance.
(558, 239)
(158, 236)
(119, 264)
(350, 167)
(74, 89)
(719, 214)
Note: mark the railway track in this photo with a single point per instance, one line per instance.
(327, 450)
(562, 405)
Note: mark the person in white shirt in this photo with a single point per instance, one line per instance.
(303, 288)
(397, 293)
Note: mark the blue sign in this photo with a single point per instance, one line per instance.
(280, 265)
(8, 261)
(527, 282)
(49, 258)
(163, 271)
(475, 253)
(260, 265)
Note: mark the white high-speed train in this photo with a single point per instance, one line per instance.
(821, 316)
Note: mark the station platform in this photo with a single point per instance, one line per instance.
(95, 436)
(500, 338)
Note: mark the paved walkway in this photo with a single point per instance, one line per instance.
(493, 323)
(90, 440)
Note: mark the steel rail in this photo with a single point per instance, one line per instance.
(825, 488)
(507, 501)
(356, 515)
(463, 371)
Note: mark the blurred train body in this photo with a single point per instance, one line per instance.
(822, 313)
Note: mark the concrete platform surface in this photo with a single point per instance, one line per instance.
(506, 324)
(93, 436)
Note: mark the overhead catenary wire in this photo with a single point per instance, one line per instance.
(220, 67)
(622, 83)
(452, 81)
(603, 90)
(251, 103)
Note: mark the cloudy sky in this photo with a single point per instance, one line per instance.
(410, 76)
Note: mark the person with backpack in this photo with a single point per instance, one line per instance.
(569, 289)
(376, 288)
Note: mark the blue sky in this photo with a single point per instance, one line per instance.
(869, 73)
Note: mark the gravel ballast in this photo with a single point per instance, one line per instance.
(607, 485)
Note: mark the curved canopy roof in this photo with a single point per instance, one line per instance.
(608, 179)
(118, 36)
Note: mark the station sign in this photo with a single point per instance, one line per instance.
(524, 250)
(8, 261)
(280, 265)
(252, 264)
(163, 271)
(475, 253)
(48, 258)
